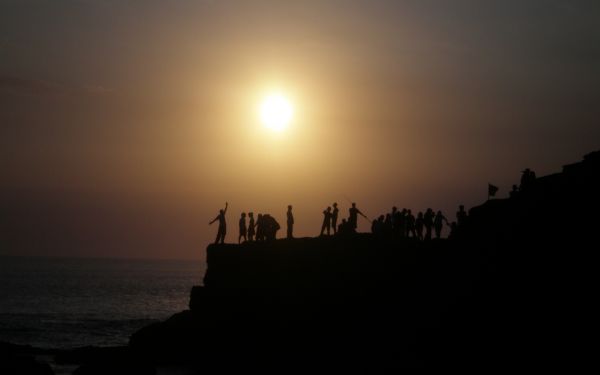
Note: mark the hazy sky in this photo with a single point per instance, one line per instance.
(126, 125)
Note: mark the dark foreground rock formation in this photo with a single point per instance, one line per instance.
(21, 359)
(512, 289)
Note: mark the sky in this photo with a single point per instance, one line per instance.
(126, 125)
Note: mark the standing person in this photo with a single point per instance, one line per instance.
(387, 226)
(419, 225)
(334, 217)
(251, 227)
(353, 217)
(402, 223)
(410, 224)
(260, 232)
(428, 222)
(222, 225)
(438, 223)
(326, 221)
(242, 228)
(290, 223)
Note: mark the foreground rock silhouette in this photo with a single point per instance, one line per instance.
(512, 289)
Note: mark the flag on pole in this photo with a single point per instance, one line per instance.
(492, 190)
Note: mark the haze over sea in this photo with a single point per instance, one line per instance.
(74, 302)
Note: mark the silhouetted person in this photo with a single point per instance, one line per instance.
(260, 233)
(374, 227)
(377, 226)
(222, 225)
(353, 217)
(290, 222)
(527, 179)
(326, 221)
(461, 216)
(251, 227)
(394, 216)
(334, 217)
(452, 230)
(514, 192)
(387, 225)
(428, 222)
(419, 223)
(438, 223)
(343, 228)
(242, 228)
(402, 222)
(270, 227)
(410, 225)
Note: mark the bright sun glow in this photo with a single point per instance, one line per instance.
(276, 112)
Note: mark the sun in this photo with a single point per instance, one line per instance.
(276, 112)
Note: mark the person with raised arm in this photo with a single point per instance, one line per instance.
(222, 225)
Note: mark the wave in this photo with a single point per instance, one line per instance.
(64, 332)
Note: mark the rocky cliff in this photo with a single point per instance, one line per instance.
(511, 289)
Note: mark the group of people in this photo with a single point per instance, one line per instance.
(330, 219)
(395, 224)
(263, 229)
(404, 224)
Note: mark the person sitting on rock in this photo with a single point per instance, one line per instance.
(270, 227)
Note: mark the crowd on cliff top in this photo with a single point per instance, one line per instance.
(396, 224)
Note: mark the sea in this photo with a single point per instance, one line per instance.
(67, 303)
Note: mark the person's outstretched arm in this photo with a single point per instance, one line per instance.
(215, 219)
(225, 210)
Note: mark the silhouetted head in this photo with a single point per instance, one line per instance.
(409, 212)
(439, 213)
(343, 221)
(243, 214)
(381, 217)
(328, 208)
(420, 214)
(394, 209)
(353, 205)
(260, 216)
(335, 205)
(290, 207)
(461, 207)
(221, 211)
(251, 214)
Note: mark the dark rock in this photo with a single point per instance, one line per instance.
(20, 359)
(508, 291)
(119, 368)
